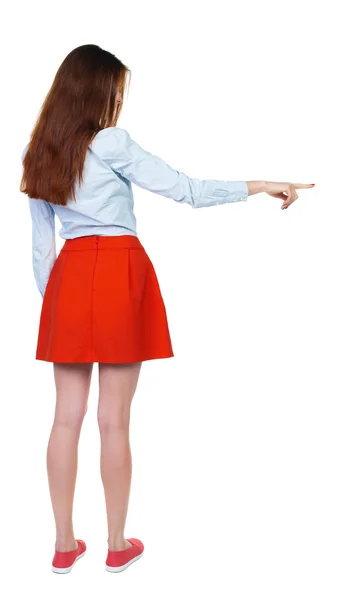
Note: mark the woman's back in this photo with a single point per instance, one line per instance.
(104, 201)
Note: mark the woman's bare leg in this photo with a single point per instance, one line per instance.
(117, 385)
(72, 389)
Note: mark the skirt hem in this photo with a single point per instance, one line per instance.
(96, 360)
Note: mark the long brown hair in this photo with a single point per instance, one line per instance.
(81, 101)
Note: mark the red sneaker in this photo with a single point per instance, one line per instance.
(63, 562)
(118, 560)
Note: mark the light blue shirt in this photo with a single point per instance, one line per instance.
(104, 202)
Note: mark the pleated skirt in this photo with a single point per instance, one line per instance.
(103, 303)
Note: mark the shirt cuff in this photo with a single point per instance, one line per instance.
(239, 189)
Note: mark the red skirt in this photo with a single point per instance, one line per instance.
(103, 303)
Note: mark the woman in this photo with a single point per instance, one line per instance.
(101, 298)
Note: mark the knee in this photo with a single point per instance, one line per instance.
(70, 419)
(114, 421)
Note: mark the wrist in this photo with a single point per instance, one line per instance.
(256, 187)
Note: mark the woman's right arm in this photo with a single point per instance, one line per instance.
(150, 172)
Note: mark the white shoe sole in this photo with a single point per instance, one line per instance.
(66, 569)
(123, 567)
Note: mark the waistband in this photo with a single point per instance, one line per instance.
(93, 242)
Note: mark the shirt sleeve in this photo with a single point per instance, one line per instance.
(43, 241)
(150, 172)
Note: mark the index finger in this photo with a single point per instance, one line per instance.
(303, 185)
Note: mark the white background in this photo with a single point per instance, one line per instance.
(236, 441)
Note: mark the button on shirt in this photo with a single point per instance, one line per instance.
(104, 201)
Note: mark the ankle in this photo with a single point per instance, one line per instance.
(117, 543)
(65, 545)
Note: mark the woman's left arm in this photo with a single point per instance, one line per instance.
(43, 241)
